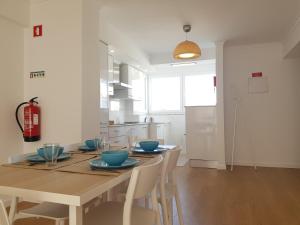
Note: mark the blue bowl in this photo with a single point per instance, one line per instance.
(114, 158)
(149, 145)
(48, 154)
(93, 143)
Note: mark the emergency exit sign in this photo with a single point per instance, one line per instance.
(37, 74)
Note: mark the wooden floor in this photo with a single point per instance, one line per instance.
(265, 196)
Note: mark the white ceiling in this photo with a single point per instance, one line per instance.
(156, 25)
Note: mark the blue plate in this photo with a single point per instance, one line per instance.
(86, 148)
(37, 158)
(155, 151)
(99, 163)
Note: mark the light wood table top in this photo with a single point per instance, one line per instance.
(55, 186)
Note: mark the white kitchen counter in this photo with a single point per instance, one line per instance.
(133, 124)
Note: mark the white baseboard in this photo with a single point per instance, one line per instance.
(182, 160)
(267, 164)
(211, 164)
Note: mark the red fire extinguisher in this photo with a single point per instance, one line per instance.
(32, 120)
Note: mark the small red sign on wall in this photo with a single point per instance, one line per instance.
(257, 74)
(38, 31)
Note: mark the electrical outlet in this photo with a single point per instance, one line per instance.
(37, 74)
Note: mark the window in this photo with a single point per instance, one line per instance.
(165, 94)
(199, 90)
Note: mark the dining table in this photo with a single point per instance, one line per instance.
(72, 183)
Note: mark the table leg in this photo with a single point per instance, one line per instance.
(13, 209)
(75, 215)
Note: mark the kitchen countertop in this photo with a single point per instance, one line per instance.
(134, 124)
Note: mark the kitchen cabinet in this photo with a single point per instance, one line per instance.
(135, 81)
(117, 131)
(144, 132)
(141, 131)
(104, 118)
(110, 69)
(104, 100)
(159, 131)
(120, 134)
(122, 140)
(110, 75)
(201, 133)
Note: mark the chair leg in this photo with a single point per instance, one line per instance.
(170, 211)
(178, 207)
(13, 209)
(62, 222)
(165, 212)
(57, 222)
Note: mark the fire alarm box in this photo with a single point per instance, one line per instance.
(38, 31)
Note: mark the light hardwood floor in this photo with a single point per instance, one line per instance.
(266, 196)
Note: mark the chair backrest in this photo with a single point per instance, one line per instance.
(3, 214)
(142, 182)
(143, 179)
(134, 139)
(168, 176)
(169, 164)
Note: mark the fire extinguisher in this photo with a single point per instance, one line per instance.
(32, 120)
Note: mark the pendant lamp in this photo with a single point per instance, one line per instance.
(187, 49)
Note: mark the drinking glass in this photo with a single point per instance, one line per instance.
(132, 142)
(51, 153)
(105, 145)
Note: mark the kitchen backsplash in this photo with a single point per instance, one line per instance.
(123, 112)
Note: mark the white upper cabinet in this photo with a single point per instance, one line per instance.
(139, 84)
(104, 73)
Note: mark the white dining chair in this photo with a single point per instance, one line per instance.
(143, 181)
(57, 212)
(3, 214)
(168, 188)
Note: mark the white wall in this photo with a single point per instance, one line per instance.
(68, 54)
(16, 11)
(291, 43)
(11, 78)
(90, 118)
(268, 124)
(126, 51)
(220, 146)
